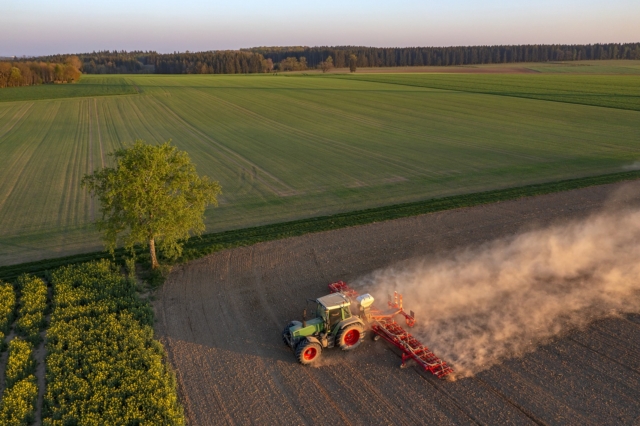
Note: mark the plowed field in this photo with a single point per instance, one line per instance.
(220, 320)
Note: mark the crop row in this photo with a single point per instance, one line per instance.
(33, 304)
(7, 307)
(19, 397)
(103, 365)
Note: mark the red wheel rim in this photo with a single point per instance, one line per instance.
(310, 353)
(352, 337)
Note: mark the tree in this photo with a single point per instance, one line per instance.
(152, 196)
(353, 61)
(15, 78)
(327, 64)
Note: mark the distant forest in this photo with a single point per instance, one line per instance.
(266, 59)
(446, 56)
(28, 73)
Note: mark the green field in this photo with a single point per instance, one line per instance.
(286, 147)
(589, 67)
(94, 86)
(611, 91)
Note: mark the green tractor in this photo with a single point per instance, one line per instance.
(332, 325)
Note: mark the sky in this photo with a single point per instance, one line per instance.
(38, 27)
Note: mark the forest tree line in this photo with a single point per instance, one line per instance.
(446, 56)
(142, 62)
(27, 73)
(267, 59)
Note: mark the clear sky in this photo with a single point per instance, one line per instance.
(37, 27)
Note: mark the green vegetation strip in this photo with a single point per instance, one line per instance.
(18, 403)
(7, 309)
(103, 365)
(211, 243)
(33, 304)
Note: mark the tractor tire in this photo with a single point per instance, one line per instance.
(350, 337)
(308, 352)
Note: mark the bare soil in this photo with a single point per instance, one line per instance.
(220, 320)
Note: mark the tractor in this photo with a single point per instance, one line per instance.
(333, 324)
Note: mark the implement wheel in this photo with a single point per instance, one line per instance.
(350, 337)
(308, 352)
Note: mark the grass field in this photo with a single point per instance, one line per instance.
(612, 91)
(589, 67)
(287, 148)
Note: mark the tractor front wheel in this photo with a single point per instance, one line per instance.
(350, 337)
(308, 352)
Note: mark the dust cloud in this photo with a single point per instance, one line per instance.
(487, 303)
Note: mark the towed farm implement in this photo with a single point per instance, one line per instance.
(335, 325)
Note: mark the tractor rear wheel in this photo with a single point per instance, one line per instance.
(308, 352)
(350, 337)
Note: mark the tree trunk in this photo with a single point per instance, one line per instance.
(152, 250)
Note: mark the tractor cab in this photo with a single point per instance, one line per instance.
(333, 309)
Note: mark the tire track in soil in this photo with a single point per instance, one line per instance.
(482, 404)
(423, 407)
(511, 402)
(245, 271)
(222, 317)
(374, 397)
(567, 378)
(539, 402)
(175, 352)
(604, 348)
(608, 385)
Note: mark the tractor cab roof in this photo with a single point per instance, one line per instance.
(333, 301)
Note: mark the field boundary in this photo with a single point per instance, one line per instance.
(210, 243)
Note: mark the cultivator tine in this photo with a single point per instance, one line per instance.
(384, 326)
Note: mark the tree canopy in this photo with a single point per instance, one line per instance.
(152, 196)
(353, 63)
(19, 73)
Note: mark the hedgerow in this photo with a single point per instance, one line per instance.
(7, 307)
(19, 398)
(33, 304)
(103, 365)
